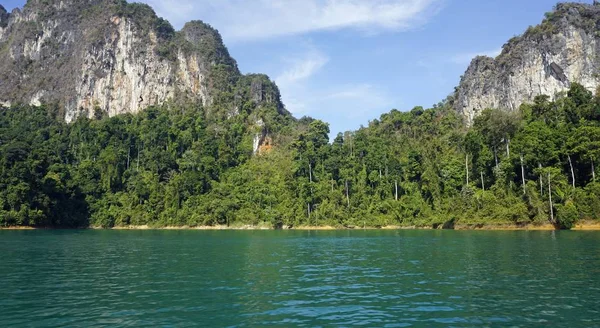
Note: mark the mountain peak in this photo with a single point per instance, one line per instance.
(562, 49)
(109, 56)
(203, 37)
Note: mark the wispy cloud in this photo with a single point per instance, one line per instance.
(263, 19)
(360, 100)
(465, 58)
(348, 101)
(294, 79)
(302, 68)
(304, 93)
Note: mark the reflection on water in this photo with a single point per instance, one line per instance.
(291, 278)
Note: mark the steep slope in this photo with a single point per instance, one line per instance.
(107, 56)
(564, 48)
(3, 17)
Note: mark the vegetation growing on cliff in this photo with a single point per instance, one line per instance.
(578, 15)
(178, 167)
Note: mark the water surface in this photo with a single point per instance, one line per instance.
(299, 278)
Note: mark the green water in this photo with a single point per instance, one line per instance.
(292, 278)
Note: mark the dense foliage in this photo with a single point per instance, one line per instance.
(176, 167)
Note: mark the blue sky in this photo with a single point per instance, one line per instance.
(348, 61)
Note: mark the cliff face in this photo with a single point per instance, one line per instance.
(108, 56)
(3, 17)
(565, 48)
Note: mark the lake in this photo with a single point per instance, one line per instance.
(299, 278)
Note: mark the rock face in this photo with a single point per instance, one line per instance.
(107, 56)
(565, 48)
(3, 17)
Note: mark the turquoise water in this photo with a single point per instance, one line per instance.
(294, 278)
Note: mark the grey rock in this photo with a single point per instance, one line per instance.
(109, 56)
(3, 17)
(546, 59)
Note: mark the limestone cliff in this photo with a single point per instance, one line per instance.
(565, 48)
(107, 56)
(3, 17)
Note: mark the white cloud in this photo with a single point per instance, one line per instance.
(293, 81)
(465, 58)
(364, 93)
(262, 19)
(347, 102)
(302, 68)
(359, 100)
(303, 94)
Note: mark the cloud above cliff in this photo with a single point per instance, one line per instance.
(352, 100)
(300, 69)
(247, 20)
(294, 79)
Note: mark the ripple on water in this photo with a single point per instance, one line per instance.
(248, 279)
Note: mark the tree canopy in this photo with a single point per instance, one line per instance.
(182, 167)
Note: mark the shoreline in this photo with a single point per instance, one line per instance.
(581, 226)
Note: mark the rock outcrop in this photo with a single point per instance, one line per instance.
(3, 17)
(565, 48)
(109, 57)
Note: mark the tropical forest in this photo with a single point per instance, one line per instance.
(181, 166)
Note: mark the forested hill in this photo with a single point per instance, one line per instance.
(170, 167)
(215, 147)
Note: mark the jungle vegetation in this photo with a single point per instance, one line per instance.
(179, 166)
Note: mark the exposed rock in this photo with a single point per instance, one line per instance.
(107, 55)
(256, 90)
(558, 73)
(565, 48)
(3, 17)
(263, 91)
(259, 137)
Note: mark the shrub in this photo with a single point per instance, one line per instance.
(567, 215)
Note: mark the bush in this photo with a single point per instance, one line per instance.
(567, 215)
